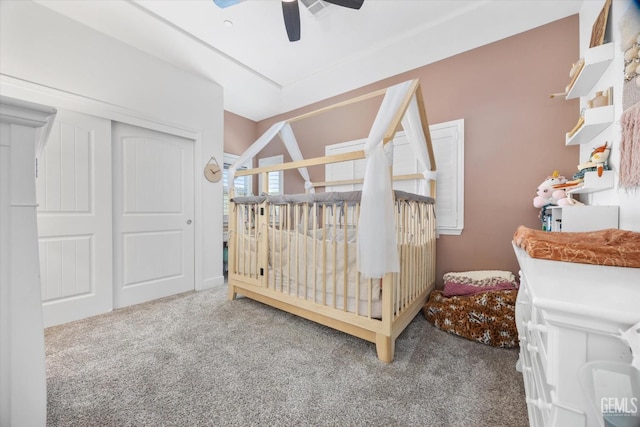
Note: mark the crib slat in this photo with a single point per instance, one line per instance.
(396, 301)
(411, 253)
(335, 254)
(356, 210)
(256, 243)
(295, 234)
(243, 237)
(272, 240)
(262, 244)
(305, 209)
(232, 246)
(423, 231)
(277, 210)
(289, 244)
(324, 254)
(345, 273)
(314, 250)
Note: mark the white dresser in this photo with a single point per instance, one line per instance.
(576, 367)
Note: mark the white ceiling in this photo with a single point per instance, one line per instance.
(263, 74)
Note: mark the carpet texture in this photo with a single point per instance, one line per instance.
(197, 359)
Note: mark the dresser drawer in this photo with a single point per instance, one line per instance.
(523, 308)
(537, 337)
(538, 391)
(538, 414)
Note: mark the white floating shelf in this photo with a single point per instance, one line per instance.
(596, 62)
(593, 182)
(595, 121)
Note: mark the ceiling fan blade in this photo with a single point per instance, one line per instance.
(291, 14)
(351, 4)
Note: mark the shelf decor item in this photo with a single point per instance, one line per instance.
(630, 147)
(599, 27)
(629, 25)
(599, 100)
(598, 160)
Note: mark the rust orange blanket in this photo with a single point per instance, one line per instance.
(612, 247)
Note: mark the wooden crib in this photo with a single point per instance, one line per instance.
(299, 254)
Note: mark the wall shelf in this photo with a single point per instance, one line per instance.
(583, 217)
(593, 182)
(596, 62)
(595, 121)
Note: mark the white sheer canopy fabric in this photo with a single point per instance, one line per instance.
(288, 138)
(377, 244)
(290, 142)
(412, 125)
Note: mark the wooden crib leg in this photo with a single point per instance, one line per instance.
(385, 346)
(231, 292)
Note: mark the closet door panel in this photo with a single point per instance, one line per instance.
(153, 208)
(73, 190)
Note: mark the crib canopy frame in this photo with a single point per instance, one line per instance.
(412, 98)
(402, 105)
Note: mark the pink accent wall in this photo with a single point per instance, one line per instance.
(239, 133)
(514, 134)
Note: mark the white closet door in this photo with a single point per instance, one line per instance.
(153, 215)
(73, 190)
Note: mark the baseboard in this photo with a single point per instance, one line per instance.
(210, 283)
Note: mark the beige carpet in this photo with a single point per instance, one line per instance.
(197, 359)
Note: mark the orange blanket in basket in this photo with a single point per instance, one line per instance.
(612, 247)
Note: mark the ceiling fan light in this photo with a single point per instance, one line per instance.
(226, 3)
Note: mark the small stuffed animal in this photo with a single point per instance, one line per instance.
(598, 159)
(546, 194)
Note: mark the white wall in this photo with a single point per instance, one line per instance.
(48, 58)
(628, 200)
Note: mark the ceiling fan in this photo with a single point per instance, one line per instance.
(291, 12)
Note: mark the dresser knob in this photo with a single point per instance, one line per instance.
(539, 403)
(536, 327)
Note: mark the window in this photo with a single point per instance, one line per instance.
(276, 183)
(448, 146)
(242, 183)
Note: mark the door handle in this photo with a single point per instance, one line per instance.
(188, 222)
